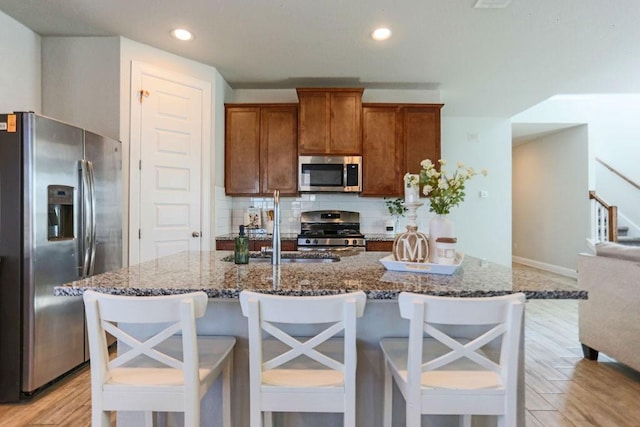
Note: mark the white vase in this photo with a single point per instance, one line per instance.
(440, 226)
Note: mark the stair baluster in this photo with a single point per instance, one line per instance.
(606, 226)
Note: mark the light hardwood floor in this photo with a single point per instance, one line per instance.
(562, 388)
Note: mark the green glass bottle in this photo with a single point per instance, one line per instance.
(241, 250)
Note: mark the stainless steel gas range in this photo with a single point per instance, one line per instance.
(330, 230)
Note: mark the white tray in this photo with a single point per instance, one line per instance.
(422, 267)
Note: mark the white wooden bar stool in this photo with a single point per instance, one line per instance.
(166, 372)
(294, 374)
(441, 374)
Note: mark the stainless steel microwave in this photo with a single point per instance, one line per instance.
(341, 174)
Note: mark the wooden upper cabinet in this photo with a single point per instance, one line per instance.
(279, 150)
(396, 138)
(382, 151)
(261, 149)
(330, 121)
(313, 120)
(421, 135)
(242, 150)
(345, 130)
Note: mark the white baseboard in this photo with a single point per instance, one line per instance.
(563, 271)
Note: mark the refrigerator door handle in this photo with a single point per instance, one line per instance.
(92, 183)
(86, 218)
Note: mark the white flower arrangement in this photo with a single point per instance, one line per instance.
(411, 180)
(444, 191)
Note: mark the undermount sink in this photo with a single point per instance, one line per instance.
(290, 257)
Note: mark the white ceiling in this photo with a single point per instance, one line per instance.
(484, 62)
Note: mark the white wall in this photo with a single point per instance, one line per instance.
(482, 225)
(550, 211)
(222, 206)
(614, 136)
(81, 82)
(20, 87)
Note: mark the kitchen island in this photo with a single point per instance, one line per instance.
(217, 275)
(222, 280)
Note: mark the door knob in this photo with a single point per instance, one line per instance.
(195, 234)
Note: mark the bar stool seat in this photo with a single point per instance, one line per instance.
(442, 373)
(170, 369)
(302, 374)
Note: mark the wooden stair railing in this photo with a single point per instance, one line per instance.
(605, 212)
(606, 228)
(618, 173)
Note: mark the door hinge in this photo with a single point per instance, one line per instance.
(140, 164)
(142, 94)
(139, 233)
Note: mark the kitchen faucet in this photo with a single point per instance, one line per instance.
(275, 250)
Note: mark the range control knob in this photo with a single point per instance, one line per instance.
(308, 241)
(346, 241)
(355, 242)
(315, 241)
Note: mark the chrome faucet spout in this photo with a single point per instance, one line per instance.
(276, 243)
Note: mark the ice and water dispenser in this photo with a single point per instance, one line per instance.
(60, 212)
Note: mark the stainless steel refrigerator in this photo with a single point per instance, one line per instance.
(60, 220)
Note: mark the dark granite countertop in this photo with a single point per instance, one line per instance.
(207, 271)
(379, 237)
(291, 236)
(258, 236)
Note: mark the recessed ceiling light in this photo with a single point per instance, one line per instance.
(182, 34)
(380, 34)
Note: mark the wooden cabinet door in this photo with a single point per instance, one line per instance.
(396, 138)
(285, 245)
(313, 122)
(257, 245)
(421, 135)
(380, 246)
(242, 151)
(330, 121)
(225, 245)
(279, 150)
(382, 151)
(289, 245)
(345, 130)
(261, 149)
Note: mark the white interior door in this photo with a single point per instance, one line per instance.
(171, 134)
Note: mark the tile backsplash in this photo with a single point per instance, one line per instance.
(373, 212)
